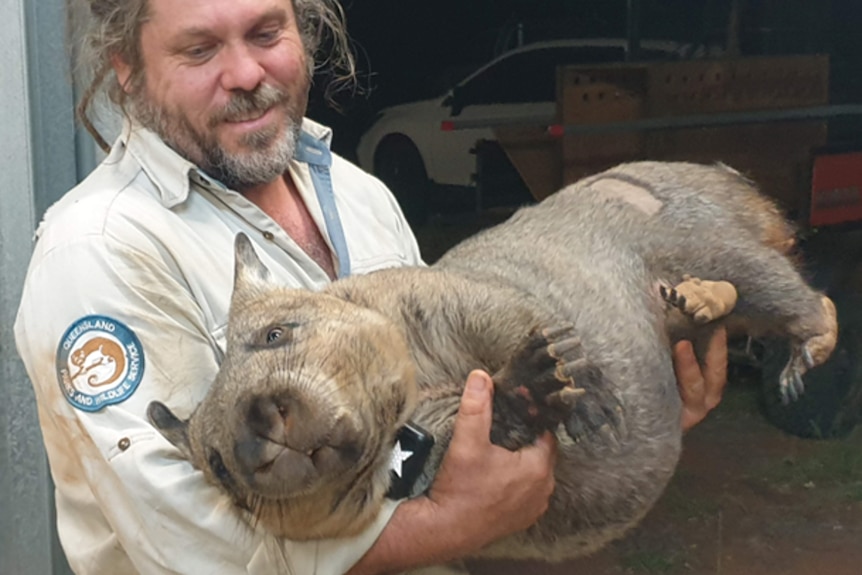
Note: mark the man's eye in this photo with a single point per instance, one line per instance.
(199, 53)
(267, 37)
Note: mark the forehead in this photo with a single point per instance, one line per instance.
(167, 17)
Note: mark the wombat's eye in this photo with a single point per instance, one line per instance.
(217, 466)
(274, 335)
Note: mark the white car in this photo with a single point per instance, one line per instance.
(413, 145)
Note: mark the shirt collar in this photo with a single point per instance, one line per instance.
(172, 174)
(314, 144)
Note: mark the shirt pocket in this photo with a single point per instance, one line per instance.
(126, 442)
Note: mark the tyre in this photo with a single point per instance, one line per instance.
(399, 165)
(832, 403)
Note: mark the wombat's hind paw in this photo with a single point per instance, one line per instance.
(790, 381)
(809, 353)
(672, 297)
(703, 301)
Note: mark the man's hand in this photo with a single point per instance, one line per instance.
(482, 493)
(700, 390)
(486, 491)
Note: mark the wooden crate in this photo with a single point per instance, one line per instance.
(776, 155)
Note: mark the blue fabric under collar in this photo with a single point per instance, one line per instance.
(312, 151)
(316, 154)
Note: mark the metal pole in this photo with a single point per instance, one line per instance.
(712, 120)
(667, 123)
(37, 162)
(25, 532)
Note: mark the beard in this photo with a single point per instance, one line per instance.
(268, 151)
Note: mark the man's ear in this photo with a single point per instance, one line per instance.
(173, 428)
(123, 71)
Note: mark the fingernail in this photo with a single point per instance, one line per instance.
(475, 384)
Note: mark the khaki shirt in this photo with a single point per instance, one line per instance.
(126, 301)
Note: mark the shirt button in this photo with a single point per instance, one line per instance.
(268, 236)
(124, 443)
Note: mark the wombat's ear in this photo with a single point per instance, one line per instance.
(250, 275)
(173, 428)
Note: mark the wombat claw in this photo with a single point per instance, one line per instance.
(672, 297)
(549, 381)
(592, 410)
(701, 300)
(566, 397)
(535, 379)
(808, 354)
(790, 381)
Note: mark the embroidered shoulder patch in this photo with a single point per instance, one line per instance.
(100, 362)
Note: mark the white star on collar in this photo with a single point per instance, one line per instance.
(398, 458)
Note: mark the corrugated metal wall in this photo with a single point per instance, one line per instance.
(37, 164)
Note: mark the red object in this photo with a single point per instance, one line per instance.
(556, 131)
(836, 189)
(447, 126)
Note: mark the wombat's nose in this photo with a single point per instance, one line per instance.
(289, 421)
(286, 442)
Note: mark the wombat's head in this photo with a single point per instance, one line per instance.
(299, 424)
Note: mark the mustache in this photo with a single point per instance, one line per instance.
(243, 105)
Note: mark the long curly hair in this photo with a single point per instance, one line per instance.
(113, 28)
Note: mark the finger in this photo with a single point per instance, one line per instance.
(689, 376)
(715, 368)
(473, 422)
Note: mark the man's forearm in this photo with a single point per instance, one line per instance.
(417, 535)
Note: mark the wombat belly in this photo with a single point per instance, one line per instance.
(604, 293)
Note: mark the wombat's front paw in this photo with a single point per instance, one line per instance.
(550, 381)
(808, 354)
(597, 420)
(701, 300)
(539, 385)
(594, 416)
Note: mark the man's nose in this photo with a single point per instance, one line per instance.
(242, 69)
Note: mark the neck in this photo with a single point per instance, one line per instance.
(273, 196)
(281, 201)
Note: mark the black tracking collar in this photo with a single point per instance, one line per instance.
(412, 447)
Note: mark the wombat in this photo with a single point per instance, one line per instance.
(572, 304)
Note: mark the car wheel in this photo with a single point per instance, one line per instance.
(831, 405)
(399, 165)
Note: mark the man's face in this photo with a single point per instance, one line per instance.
(226, 84)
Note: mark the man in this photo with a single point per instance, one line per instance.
(127, 296)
